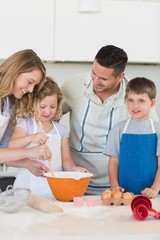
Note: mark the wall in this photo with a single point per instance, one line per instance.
(56, 31)
(27, 24)
(132, 25)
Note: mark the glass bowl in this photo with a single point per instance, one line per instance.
(12, 200)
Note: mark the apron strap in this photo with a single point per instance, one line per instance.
(151, 121)
(152, 125)
(56, 129)
(35, 127)
(126, 125)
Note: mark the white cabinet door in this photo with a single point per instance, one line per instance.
(132, 25)
(27, 24)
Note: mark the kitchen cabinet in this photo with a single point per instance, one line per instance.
(132, 25)
(56, 31)
(27, 24)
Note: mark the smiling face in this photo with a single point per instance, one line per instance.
(104, 80)
(46, 108)
(25, 83)
(139, 105)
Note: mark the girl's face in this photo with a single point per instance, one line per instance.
(139, 105)
(25, 83)
(46, 108)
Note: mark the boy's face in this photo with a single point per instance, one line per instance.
(139, 105)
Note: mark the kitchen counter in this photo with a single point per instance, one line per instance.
(85, 223)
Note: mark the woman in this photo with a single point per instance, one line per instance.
(20, 74)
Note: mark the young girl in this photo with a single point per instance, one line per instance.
(43, 127)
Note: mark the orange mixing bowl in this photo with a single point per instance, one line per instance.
(66, 185)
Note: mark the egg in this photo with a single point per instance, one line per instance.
(127, 195)
(117, 194)
(106, 194)
(112, 192)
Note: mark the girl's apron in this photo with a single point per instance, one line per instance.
(138, 161)
(39, 185)
(4, 119)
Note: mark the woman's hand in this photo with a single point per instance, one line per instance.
(41, 152)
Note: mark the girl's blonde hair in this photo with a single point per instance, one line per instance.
(50, 88)
(20, 62)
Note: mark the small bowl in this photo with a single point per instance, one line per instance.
(66, 185)
(14, 199)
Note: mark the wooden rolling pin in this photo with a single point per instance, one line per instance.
(43, 204)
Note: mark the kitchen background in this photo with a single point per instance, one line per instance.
(67, 40)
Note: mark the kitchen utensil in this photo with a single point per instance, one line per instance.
(78, 201)
(65, 185)
(49, 144)
(12, 200)
(50, 167)
(43, 204)
(142, 208)
(86, 201)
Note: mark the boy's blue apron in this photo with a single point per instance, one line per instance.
(138, 161)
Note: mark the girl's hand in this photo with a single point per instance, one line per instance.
(39, 138)
(149, 192)
(37, 168)
(79, 169)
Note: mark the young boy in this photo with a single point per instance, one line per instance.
(134, 145)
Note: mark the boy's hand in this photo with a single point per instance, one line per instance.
(118, 188)
(149, 192)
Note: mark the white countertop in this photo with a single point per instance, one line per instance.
(85, 223)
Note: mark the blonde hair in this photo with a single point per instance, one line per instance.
(50, 88)
(20, 62)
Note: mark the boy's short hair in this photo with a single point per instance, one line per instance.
(140, 85)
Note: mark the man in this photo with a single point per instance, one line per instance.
(96, 102)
